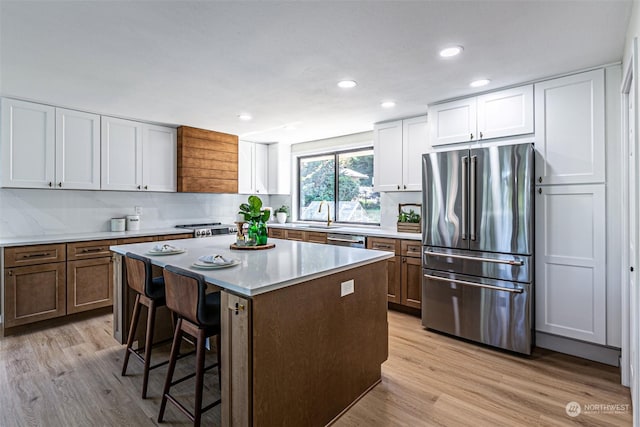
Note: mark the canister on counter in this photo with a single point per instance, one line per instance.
(133, 222)
(118, 224)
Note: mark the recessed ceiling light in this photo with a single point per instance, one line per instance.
(244, 116)
(451, 51)
(388, 104)
(347, 84)
(479, 83)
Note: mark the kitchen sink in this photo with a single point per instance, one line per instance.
(318, 226)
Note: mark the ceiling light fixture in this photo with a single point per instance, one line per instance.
(480, 83)
(347, 84)
(451, 51)
(244, 116)
(388, 104)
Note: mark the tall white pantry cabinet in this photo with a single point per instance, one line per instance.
(571, 209)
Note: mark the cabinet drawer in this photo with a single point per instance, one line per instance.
(89, 284)
(131, 240)
(411, 248)
(277, 233)
(175, 236)
(295, 235)
(87, 250)
(316, 237)
(383, 244)
(34, 293)
(33, 255)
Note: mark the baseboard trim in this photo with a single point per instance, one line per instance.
(595, 352)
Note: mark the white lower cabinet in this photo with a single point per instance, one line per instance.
(570, 276)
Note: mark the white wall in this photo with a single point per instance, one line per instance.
(46, 212)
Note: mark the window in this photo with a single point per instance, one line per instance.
(345, 176)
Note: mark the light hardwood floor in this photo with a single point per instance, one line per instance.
(69, 375)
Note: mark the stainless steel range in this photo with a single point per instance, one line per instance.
(209, 229)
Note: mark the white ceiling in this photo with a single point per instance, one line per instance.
(203, 63)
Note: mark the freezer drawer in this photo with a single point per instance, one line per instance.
(493, 312)
(512, 268)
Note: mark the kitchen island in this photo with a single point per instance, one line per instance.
(304, 326)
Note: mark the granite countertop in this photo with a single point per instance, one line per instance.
(369, 231)
(260, 271)
(81, 237)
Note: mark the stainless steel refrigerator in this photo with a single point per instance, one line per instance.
(478, 245)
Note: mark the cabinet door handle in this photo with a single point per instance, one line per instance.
(50, 184)
(85, 250)
(146, 187)
(539, 190)
(60, 184)
(471, 136)
(404, 259)
(11, 272)
(540, 179)
(139, 187)
(405, 186)
(398, 187)
(480, 135)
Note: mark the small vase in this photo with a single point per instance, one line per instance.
(258, 233)
(281, 217)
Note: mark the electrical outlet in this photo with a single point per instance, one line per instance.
(346, 288)
(138, 210)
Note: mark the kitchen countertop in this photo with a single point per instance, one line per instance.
(368, 231)
(260, 271)
(80, 237)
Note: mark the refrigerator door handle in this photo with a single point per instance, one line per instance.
(473, 258)
(472, 199)
(477, 285)
(465, 166)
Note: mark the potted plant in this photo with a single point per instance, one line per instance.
(257, 218)
(408, 222)
(281, 214)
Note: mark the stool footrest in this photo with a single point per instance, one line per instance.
(178, 381)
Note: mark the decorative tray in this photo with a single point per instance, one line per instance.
(252, 248)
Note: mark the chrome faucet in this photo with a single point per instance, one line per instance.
(328, 212)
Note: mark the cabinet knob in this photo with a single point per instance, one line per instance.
(60, 184)
(405, 186)
(398, 187)
(540, 179)
(139, 187)
(480, 135)
(539, 190)
(11, 272)
(146, 187)
(630, 269)
(404, 259)
(50, 184)
(471, 136)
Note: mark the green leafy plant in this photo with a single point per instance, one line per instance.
(283, 209)
(410, 216)
(252, 211)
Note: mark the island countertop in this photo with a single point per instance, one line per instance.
(260, 271)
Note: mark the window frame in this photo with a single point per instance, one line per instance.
(336, 189)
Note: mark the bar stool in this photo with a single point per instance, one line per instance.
(199, 316)
(150, 293)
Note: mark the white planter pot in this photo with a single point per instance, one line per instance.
(281, 217)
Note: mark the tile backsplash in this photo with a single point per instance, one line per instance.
(27, 212)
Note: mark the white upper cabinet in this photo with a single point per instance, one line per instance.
(571, 288)
(453, 122)
(253, 168)
(159, 158)
(47, 147)
(77, 150)
(570, 129)
(138, 156)
(505, 113)
(121, 154)
(415, 137)
(398, 147)
(494, 115)
(28, 144)
(279, 168)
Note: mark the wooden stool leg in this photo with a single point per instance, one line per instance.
(200, 349)
(151, 320)
(218, 351)
(132, 331)
(175, 349)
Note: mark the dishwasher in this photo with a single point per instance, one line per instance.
(351, 240)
